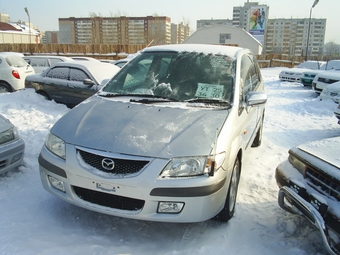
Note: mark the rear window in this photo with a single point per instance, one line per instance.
(16, 61)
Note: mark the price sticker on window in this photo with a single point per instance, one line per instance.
(206, 90)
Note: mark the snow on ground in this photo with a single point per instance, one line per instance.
(34, 222)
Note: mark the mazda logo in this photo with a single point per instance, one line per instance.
(108, 164)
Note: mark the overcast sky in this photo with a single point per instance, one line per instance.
(45, 14)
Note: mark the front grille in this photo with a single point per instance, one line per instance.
(109, 200)
(325, 184)
(326, 80)
(121, 166)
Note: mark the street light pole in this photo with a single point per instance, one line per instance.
(310, 18)
(29, 25)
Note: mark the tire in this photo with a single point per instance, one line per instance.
(229, 207)
(4, 88)
(258, 138)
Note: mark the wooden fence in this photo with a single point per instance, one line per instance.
(113, 51)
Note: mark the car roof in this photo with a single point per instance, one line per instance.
(49, 56)
(199, 48)
(8, 53)
(98, 69)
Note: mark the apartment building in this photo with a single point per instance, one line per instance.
(290, 36)
(116, 30)
(179, 32)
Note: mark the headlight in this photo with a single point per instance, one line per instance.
(191, 166)
(298, 164)
(56, 145)
(8, 135)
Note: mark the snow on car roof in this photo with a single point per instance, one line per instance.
(204, 48)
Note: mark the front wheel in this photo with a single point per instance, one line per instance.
(229, 207)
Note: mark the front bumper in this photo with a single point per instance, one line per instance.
(294, 197)
(135, 197)
(11, 155)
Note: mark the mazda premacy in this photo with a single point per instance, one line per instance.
(164, 139)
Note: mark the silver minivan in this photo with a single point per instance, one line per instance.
(164, 139)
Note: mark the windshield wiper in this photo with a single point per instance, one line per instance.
(155, 99)
(208, 101)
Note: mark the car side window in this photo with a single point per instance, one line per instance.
(246, 77)
(39, 62)
(53, 61)
(78, 75)
(59, 73)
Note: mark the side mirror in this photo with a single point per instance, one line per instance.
(255, 99)
(88, 82)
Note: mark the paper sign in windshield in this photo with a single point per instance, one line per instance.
(206, 90)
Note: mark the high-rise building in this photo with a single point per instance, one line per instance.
(179, 32)
(4, 17)
(290, 36)
(116, 30)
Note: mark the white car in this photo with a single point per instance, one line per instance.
(13, 71)
(331, 91)
(309, 75)
(164, 139)
(41, 62)
(12, 147)
(325, 78)
(294, 74)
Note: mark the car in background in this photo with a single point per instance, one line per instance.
(309, 75)
(337, 113)
(120, 62)
(164, 139)
(294, 74)
(13, 71)
(84, 59)
(309, 185)
(332, 92)
(41, 62)
(12, 146)
(71, 82)
(325, 78)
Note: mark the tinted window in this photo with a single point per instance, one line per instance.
(58, 73)
(78, 75)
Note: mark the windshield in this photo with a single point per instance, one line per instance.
(182, 76)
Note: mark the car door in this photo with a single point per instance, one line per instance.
(78, 91)
(55, 84)
(248, 117)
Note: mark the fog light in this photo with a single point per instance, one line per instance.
(57, 184)
(16, 158)
(170, 207)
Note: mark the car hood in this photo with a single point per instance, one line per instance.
(141, 129)
(334, 86)
(295, 70)
(330, 74)
(323, 151)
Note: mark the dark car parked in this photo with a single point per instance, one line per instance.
(309, 182)
(71, 82)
